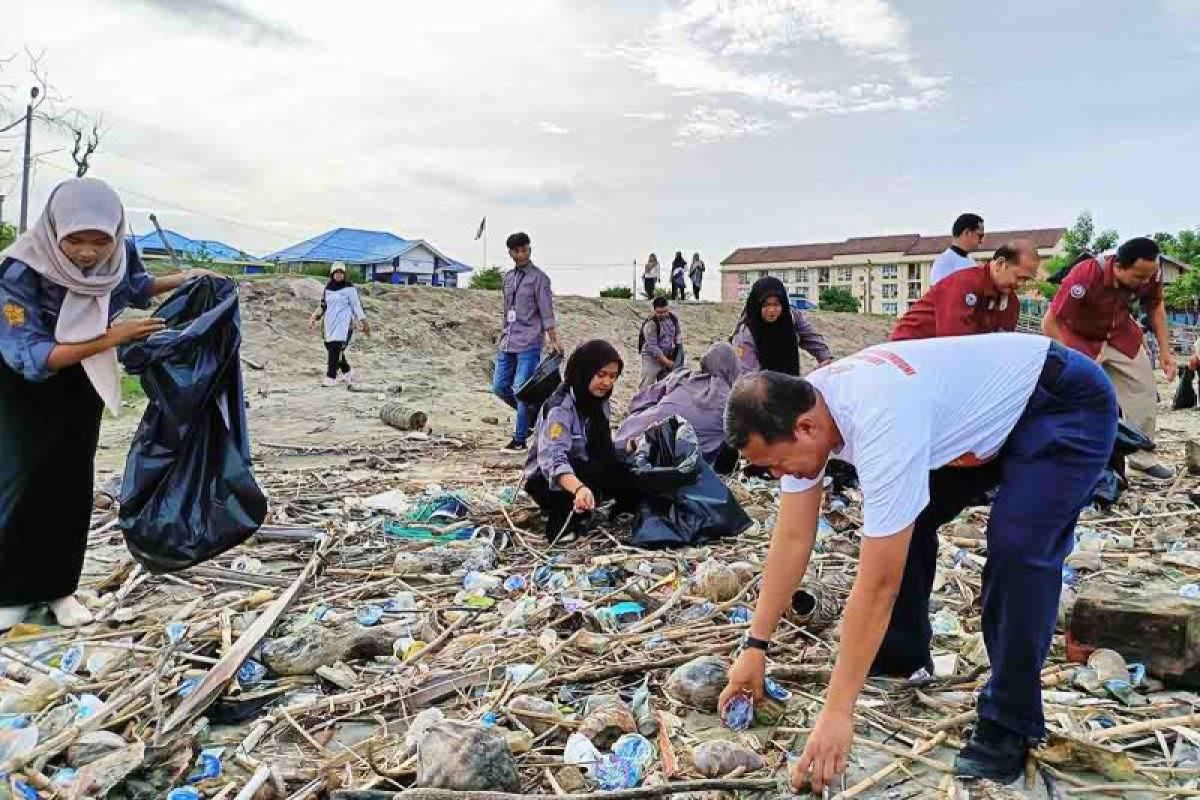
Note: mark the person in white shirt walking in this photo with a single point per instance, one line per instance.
(929, 424)
(340, 309)
(968, 235)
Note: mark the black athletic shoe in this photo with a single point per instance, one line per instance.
(515, 446)
(994, 753)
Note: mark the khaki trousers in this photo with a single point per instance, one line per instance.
(1133, 378)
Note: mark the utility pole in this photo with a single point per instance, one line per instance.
(635, 279)
(1, 210)
(33, 93)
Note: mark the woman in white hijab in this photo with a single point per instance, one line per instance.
(62, 283)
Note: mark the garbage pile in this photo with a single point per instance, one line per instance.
(379, 635)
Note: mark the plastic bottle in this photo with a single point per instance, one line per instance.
(738, 713)
(480, 580)
(582, 753)
(1190, 590)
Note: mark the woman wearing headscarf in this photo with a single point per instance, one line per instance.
(770, 331)
(340, 309)
(698, 397)
(572, 464)
(696, 273)
(62, 283)
(679, 277)
(650, 275)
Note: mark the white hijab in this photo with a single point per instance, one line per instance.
(77, 205)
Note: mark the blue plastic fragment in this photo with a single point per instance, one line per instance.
(614, 772)
(738, 713)
(369, 615)
(775, 691)
(251, 673)
(739, 615)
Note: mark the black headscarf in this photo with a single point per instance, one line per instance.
(776, 342)
(588, 359)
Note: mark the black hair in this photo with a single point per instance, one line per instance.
(519, 239)
(766, 403)
(1136, 250)
(660, 302)
(966, 222)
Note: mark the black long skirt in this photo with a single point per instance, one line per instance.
(48, 437)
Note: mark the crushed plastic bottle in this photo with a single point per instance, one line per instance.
(64, 777)
(188, 686)
(490, 720)
(246, 564)
(72, 659)
(476, 580)
(945, 623)
(208, 765)
(176, 631)
(643, 710)
(88, 706)
(524, 673)
(697, 613)
(184, 793)
(369, 615)
(636, 749)
(775, 691)
(1070, 576)
(1190, 590)
(22, 788)
(18, 736)
(738, 713)
(582, 753)
(403, 601)
(515, 583)
(251, 673)
(739, 615)
(614, 772)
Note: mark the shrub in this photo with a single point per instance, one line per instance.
(835, 298)
(618, 292)
(489, 278)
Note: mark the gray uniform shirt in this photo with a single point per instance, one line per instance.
(807, 337)
(662, 337)
(561, 436)
(528, 309)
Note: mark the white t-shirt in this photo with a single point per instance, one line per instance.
(948, 263)
(341, 307)
(906, 408)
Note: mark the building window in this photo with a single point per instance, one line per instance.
(890, 308)
(845, 274)
(823, 275)
(889, 271)
(914, 290)
(890, 291)
(743, 278)
(764, 274)
(914, 272)
(785, 276)
(802, 275)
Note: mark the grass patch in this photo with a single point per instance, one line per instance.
(131, 388)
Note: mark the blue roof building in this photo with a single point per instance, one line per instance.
(150, 245)
(381, 256)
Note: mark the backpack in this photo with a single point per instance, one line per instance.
(657, 329)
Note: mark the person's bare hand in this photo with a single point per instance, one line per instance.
(745, 677)
(825, 755)
(584, 500)
(1169, 365)
(131, 330)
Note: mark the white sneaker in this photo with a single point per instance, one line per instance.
(347, 378)
(12, 615)
(71, 613)
(327, 382)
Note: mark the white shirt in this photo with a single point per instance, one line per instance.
(948, 263)
(906, 408)
(341, 307)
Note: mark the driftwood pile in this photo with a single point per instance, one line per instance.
(381, 636)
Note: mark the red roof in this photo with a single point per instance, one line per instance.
(910, 244)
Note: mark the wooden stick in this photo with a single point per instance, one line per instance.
(1146, 726)
(876, 778)
(223, 671)
(1132, 787)
(260, 777)
(710, 785)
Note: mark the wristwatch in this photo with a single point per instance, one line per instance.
(758, 644)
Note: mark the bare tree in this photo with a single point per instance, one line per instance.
(12, 107)
(85, 141)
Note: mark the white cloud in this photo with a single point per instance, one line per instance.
(553, 129)
(705, 124)
(651, 116)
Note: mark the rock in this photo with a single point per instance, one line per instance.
(744, 570)
(92, 747)
(715, 581)
(444, 559)
(314, 646)
(699, 682)
(1157, 628)
(571, 779)
(494, 421)
(716, 758)
(1193, 457)
(524, 705)
(465, 757)
(340, 675)
(607, 722)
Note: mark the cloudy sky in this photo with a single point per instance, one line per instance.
(608, 129)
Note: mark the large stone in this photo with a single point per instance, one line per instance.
(1154, 626)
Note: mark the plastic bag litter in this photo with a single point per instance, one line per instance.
(719, 757)
(1185, 394)
(189, 493)
(699, 682)
(686, 503)
(542, 383)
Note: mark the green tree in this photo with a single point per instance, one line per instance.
(1047, 289)
(8, 235)
(619, 292)
(1082, 238)
(837, 298)
(489, 278)
(1184, 245)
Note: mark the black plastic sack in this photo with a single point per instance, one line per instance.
(1185, 394)
(542, 383)
(189, 494)
(685, 503)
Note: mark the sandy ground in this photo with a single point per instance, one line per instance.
(438, 344)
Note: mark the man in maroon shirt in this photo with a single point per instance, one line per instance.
(980, 299)
(1090, 313)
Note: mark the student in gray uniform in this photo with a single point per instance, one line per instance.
(698, 397)
(658, 343)
(572, 465)
(340, 309)
(770, 331)
(696, 273)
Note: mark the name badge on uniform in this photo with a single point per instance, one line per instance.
(512, 315)
(14, 314)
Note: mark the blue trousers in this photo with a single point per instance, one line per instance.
(512, 370)
(1043, 475)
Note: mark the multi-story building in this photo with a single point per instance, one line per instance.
(886, 273)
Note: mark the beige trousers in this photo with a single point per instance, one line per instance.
(1133, 378)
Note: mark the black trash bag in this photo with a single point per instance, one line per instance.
(1130, 440)
(684, 502)
(1112, 482)
(542, 383)
(1185, 394)
(189, 494)
(1109, 488)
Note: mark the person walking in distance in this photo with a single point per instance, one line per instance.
(340, 309)
(528, 319)
(651, 275)
(1090, 312)
(679, 277)
(696, 273)
(659, 342)
(968, 236)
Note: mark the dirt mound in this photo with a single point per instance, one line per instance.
(438, 344)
